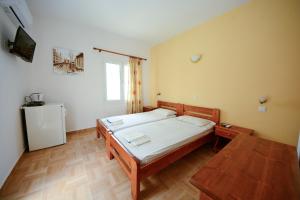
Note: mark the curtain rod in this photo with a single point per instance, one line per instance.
(122, 54)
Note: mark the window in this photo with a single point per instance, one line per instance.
(126, 80)
(113, 81)
(117, 81)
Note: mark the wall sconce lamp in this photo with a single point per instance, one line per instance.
(195, 58)
(263, 99)
(262, 107)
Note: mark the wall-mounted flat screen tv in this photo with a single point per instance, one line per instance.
(23, 45)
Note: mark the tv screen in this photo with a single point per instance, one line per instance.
(23, 45)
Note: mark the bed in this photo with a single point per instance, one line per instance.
(104, 128)
(140, 164)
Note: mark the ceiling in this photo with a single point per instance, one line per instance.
(151, 21)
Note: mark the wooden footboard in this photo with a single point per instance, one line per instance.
(135, 171)
(101, 129)
(164, 161)
(105, 132)
(129, 164)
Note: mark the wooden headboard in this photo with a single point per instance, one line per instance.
(171, 106)
(212, 114)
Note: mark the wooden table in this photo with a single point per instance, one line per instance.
(229, 133)
(250, 168)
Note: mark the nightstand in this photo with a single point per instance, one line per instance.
(229, 133)
(148, 108)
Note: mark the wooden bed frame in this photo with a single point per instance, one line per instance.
(131, 165)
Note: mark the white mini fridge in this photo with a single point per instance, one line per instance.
(45, 126)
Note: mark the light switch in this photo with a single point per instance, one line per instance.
(262, 108)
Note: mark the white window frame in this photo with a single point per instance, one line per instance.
(122, 84)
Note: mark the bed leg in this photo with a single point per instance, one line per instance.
(135, 181)
(107, 145)
(97, 129)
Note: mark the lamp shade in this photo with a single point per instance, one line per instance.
(195, 58)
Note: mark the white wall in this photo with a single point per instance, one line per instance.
(13, 87)
(84, 94)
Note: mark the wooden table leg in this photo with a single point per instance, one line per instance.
(215, 148)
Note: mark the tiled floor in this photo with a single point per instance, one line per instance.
(80, 170)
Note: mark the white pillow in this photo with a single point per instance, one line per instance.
(164, 112)
(194, 120)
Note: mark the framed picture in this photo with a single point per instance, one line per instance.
(67, 61)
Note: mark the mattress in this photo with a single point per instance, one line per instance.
(134, 119)
(165, 136)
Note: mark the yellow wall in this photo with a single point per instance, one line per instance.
(249, 52)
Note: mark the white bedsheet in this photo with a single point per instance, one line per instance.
(134, 119)
(165, 135)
